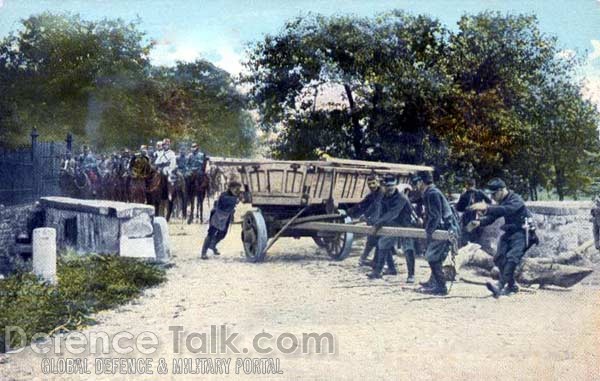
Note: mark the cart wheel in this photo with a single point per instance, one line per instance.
(254, 236)
(338, 245)
(320, 242)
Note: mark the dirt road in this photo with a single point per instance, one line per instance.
(382, 329)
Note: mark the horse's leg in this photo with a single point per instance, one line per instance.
(169, 209)
(191, 217)
(201, 196)
(183, 203)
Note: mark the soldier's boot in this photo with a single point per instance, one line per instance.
(205, 247)
(410, 264)
(509, 275)
(438, 286)
(495, 288)
(391, 266)
(376, 259)
(379, 260)
(440, 279)
(430, 283)
(363, 258)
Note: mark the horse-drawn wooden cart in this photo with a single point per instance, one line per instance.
(309, 199)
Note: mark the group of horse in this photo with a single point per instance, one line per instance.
(141, 182)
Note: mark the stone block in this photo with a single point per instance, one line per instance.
(162, 245)
(44, 253)
(137, 227)
(137, 247)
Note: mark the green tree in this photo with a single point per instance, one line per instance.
(385, 68)
(56, 66)
(62, 74)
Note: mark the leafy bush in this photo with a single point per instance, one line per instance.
(86, 284)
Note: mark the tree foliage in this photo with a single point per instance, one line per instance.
(62, 74)
(485, 100)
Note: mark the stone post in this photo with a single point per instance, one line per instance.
(44, 253)
(161, 239)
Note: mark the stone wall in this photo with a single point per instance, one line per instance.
(561, 227)
(100, 226)
(13, 220)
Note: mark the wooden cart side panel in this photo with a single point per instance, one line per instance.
(286, 182)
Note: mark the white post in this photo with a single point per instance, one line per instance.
(44, 253)
(162, 245)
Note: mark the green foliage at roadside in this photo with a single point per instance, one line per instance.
(86, 284)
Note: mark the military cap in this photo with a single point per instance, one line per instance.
(496, 184)
(389, 180)
(422, 176)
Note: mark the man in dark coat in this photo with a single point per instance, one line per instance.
(513, 243)
(471, 196)
(220, 217)
(408, 245)
(368, 209)
(395, 209)
(438, 216)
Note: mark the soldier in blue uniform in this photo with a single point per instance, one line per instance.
(471, 196)
(220, 217)
(438, 216)
(124, 165)
(368, 209)
(408, 245)
(514, 242)
(89, 162)
(395, 210)
(195, 160)
(182, 162)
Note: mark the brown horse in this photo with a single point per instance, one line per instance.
(110, 185)
(198, 184)
(176, 190)
(137, 190)
(135, 182)
(156, 189)
(76, 184)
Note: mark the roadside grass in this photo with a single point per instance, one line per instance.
(86, 284)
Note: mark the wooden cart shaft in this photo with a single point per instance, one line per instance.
(400, 232)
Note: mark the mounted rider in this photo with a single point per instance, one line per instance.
(195, 160)
(124, 163)
(69, 164)
(182, 162)
(105, 166)
(89, 164)
(140, 164)
(158, 151)
(144, 152)
(166, 160)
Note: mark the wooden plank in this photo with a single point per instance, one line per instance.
(376, 164)
(279, 200)
(224, 161)
(438, 235)
(320, 217)
(276, 194)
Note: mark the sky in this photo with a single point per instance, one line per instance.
(219, 30)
